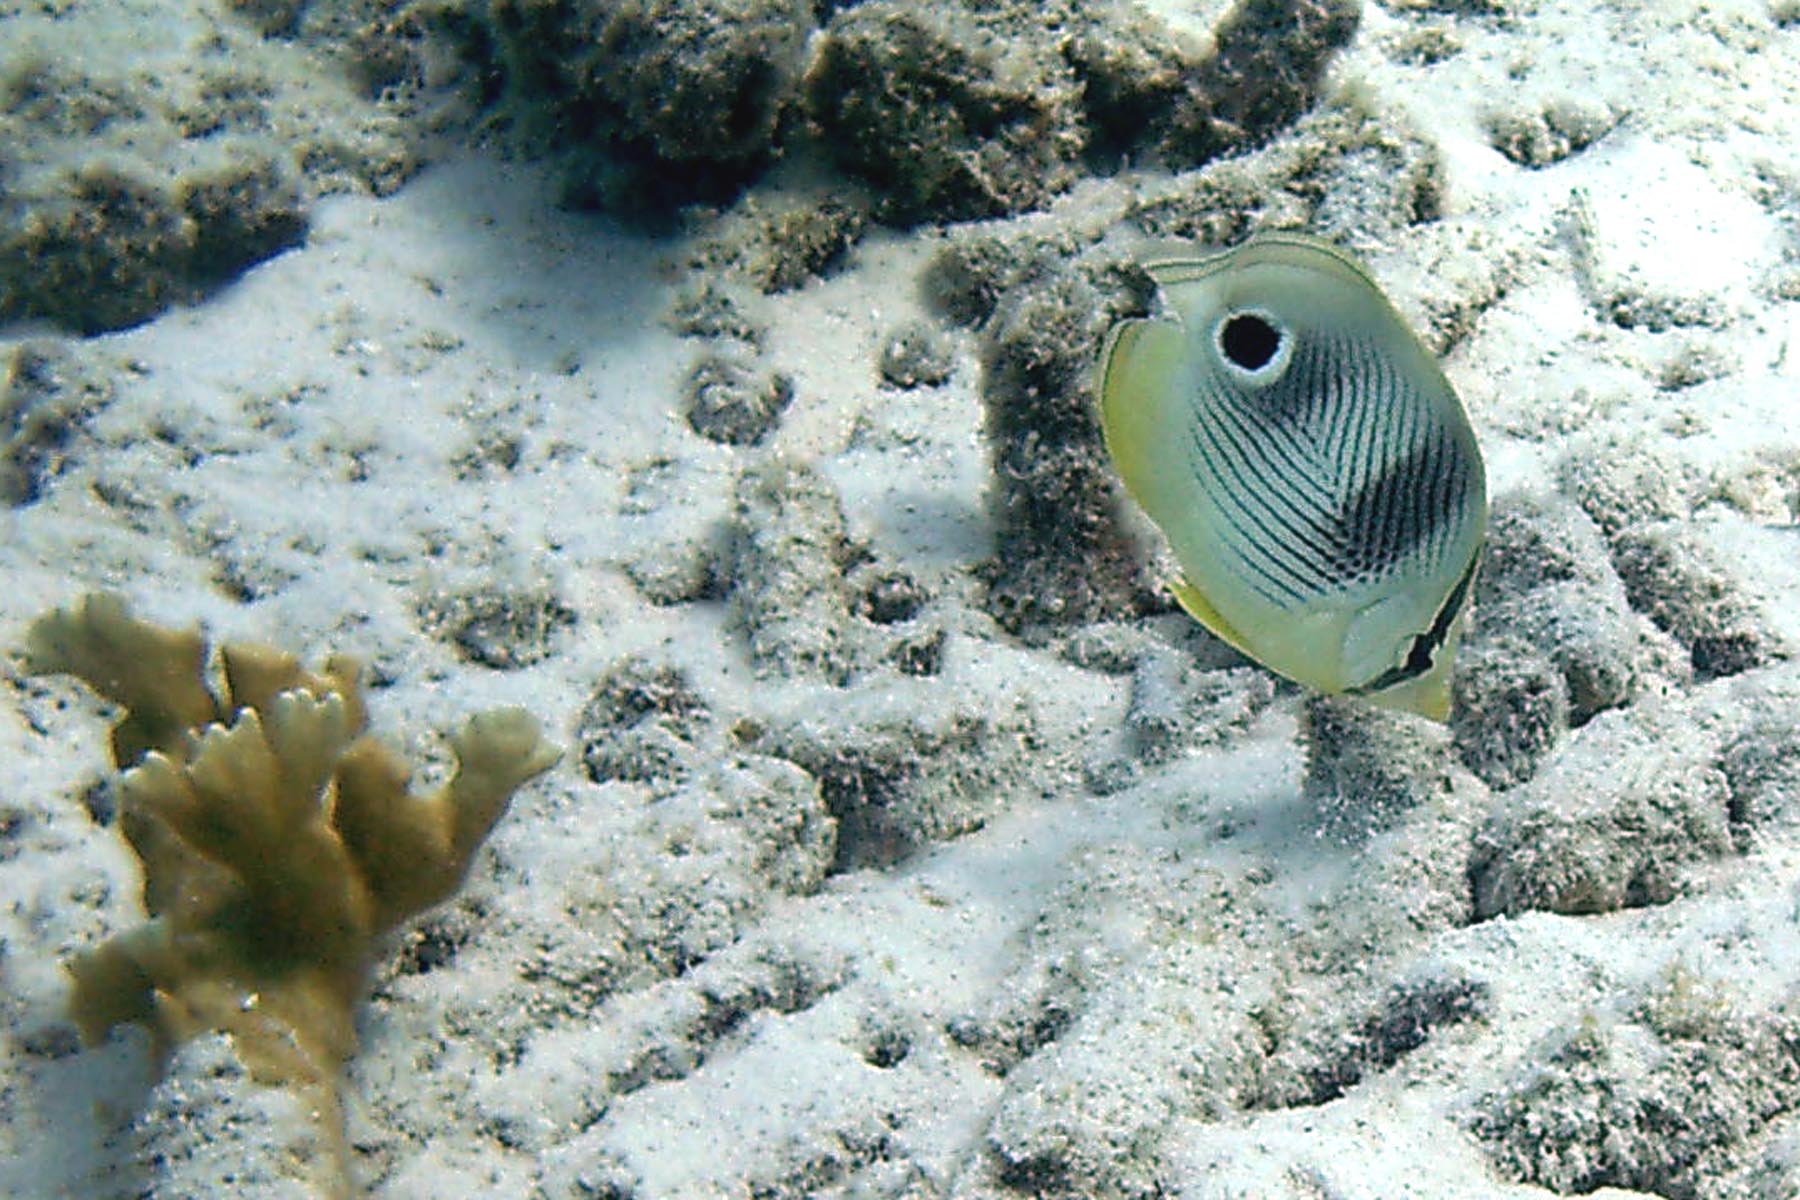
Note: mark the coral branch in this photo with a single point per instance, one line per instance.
(276, 848)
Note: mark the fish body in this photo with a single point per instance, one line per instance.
(1316, 476)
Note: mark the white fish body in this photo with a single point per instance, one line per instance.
(1316, 476)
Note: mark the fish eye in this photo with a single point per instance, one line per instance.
(1252, 342)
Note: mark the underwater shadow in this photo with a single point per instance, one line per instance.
(551, 286)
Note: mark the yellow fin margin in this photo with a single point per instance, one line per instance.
(1197, 606)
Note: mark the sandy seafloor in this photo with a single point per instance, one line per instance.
(1092, 965)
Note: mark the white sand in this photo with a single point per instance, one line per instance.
(1086, 993)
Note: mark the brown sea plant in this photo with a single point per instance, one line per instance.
(279, 843)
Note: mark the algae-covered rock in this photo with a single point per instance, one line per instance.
(675, 534)
(1264, 71)
(1666, 1101)
(1067, 552)
(1674, 574)
(786, 568)
(1129, 1016)
(1538, 132)
(655, 100)
(1511, 707)
(696, 81)
(965, 280)
(808, 243)
(643, 725)
(1548, 582)
(952, 111)
(708, 858)
(504, 630)
(1176, 708)
(975, 110)
(906, 762)
(47, 397)
(1318, 1065)
(947, 112)
(915, 355)
(1366, 767)
(148, 163)
(1761, 762)
(103, 249)
(1625, 480)
(1539, 538)
(1612, 820)
(1091, 1114)
(1135, 72)
(730, 402)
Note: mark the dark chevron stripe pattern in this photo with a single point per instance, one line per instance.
(1337, 473)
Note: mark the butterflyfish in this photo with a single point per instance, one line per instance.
(1315, 475)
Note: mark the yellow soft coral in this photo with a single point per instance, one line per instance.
(278, 842)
